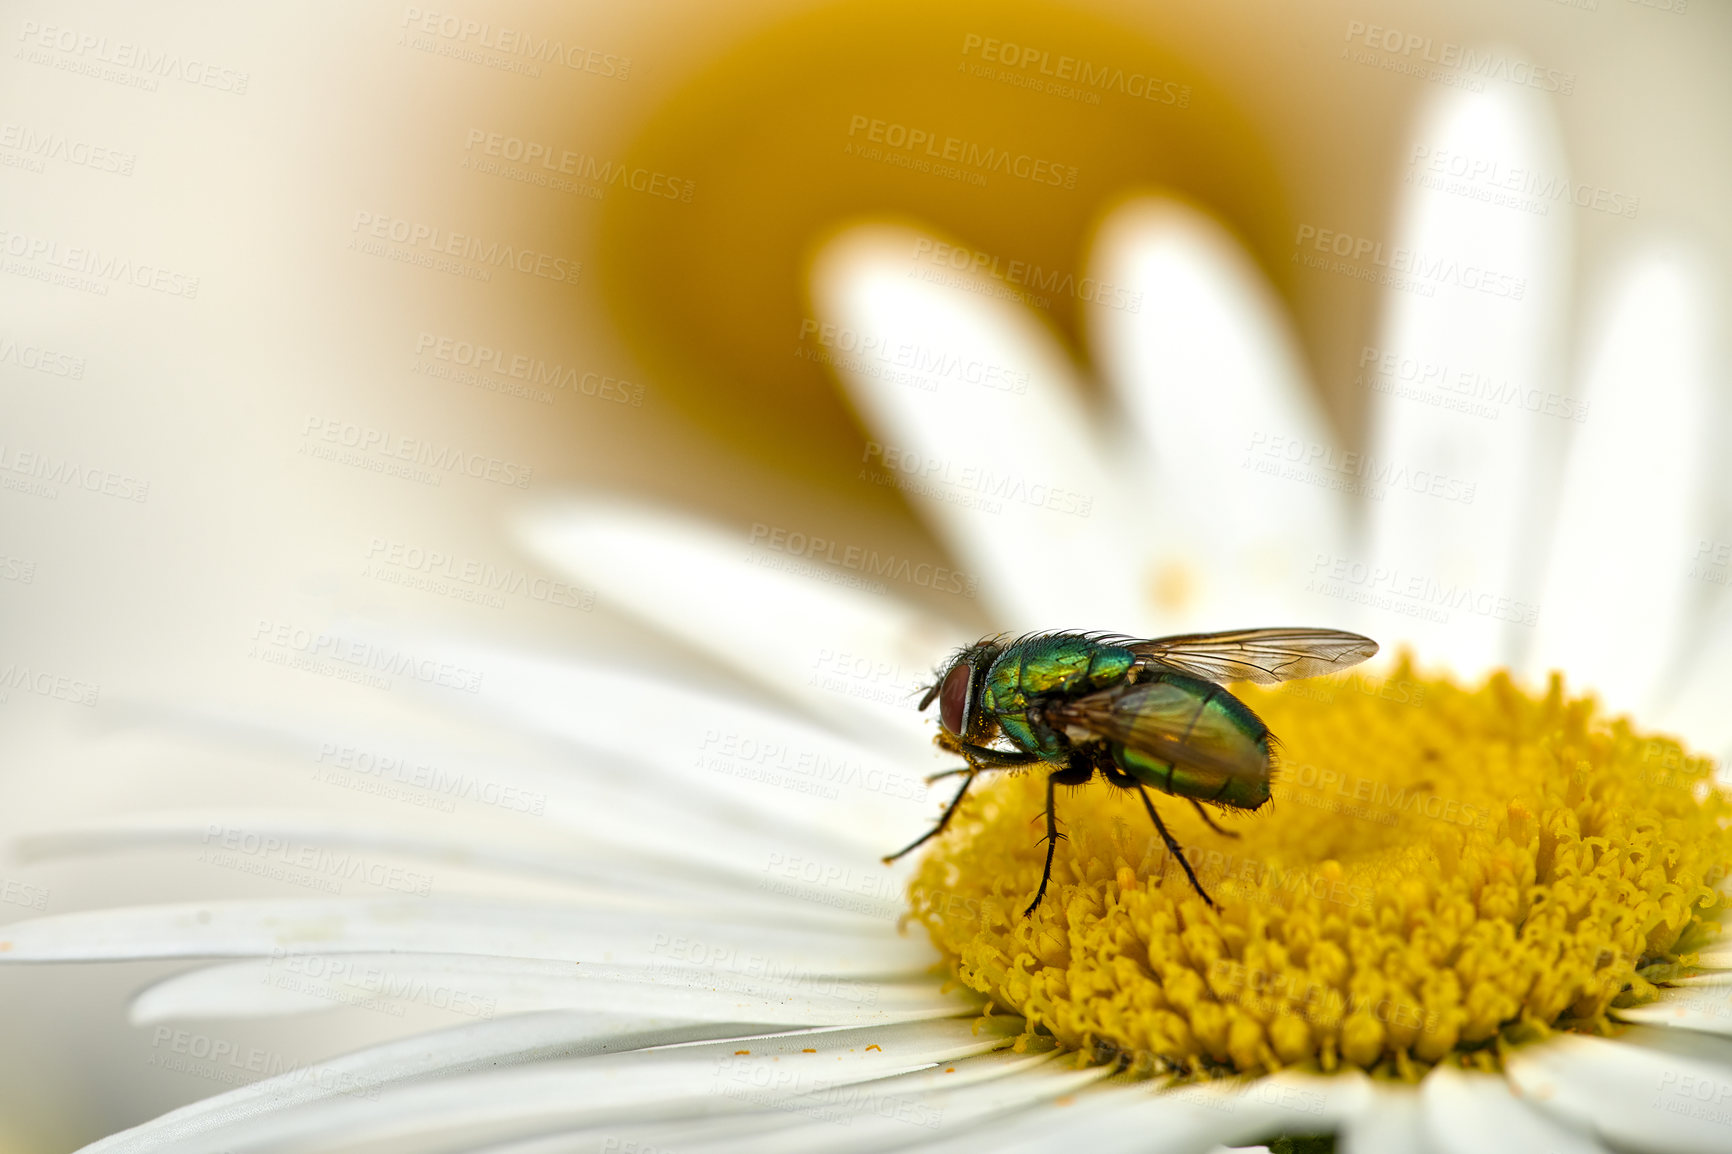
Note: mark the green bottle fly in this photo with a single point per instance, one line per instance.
(1144, 713)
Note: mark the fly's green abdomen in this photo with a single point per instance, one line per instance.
(1229, 760)
(1061, 664)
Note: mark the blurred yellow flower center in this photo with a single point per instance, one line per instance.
(1443, 871)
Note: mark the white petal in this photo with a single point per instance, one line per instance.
(852, 657)
(1391, 1124)
(979, 406)
(1146, 1118)
(1634, 506)
(779, 773)
(886, 1114)
(1205, 366)
(1696, 708)
(1477, 1114)
(686, 1136)
(491, 928)
(767, 804)
(1716, 956)
(750, 781)
(490, 987)
(1450, 533)
(1665, 1091)
(1708, 977)
(689, 1081)
(617, 870)
(464, 1049)
(1701, 1006)
(892, 1113)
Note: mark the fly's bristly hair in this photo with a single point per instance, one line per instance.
(962, 652)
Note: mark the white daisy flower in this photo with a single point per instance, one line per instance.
(1474, 924)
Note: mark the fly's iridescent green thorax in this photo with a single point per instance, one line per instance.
(1065, 664)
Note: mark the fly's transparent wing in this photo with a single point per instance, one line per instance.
(1168, 721)
(1261, 656)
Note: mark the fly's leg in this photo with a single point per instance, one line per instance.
(984, 756)
(1173, 846)
(1116, 776)
(949, 812)
(1077, 772)
(1204, 814)
(980, 758)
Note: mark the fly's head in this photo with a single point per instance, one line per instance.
(958, 690)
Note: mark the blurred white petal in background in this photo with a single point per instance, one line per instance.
(1473, 292)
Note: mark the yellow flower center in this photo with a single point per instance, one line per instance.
(1442, 870)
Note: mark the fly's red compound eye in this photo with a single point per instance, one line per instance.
(953, 698)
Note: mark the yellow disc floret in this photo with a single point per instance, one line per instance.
(1442, 870)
